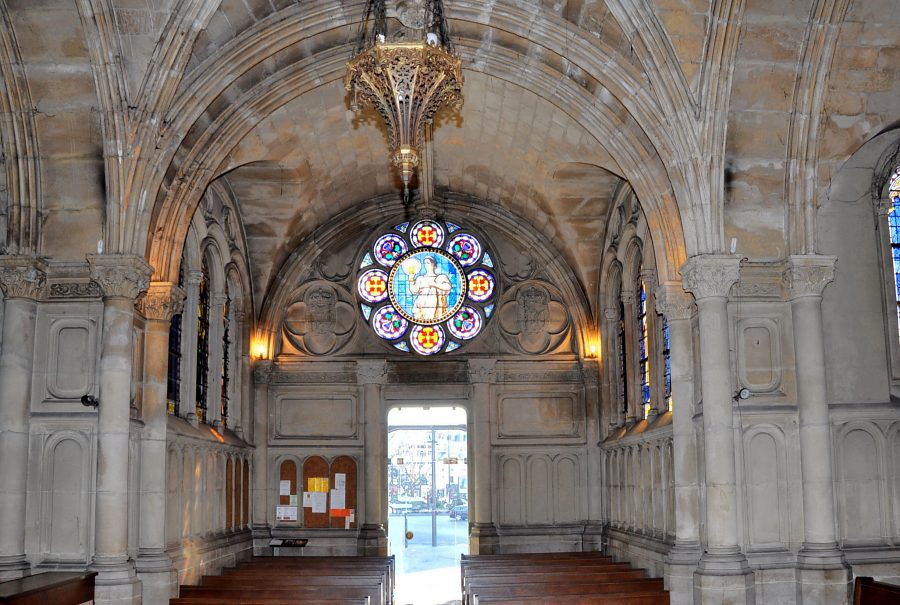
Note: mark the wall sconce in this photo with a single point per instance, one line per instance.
(592, 348)
(259, 349)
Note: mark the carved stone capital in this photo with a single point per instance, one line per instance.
(673, 302)
(627, 297)
(371, 371)
(262, 372)
(481, 370)
(193, 278)
(611, 314)
(120, 276)
(22, 277)
(162, 301)
(239, 316)
(808, 275)
(710, 276)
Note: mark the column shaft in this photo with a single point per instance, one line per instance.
(260, 481)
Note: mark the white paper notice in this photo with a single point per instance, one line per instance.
(319, 502)
(337, 499)
(352, 516)
(340, 482)
(307, 499)
(284, 488)
(346, 522)
(286, 513)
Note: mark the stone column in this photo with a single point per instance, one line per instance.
(678, 307)
(632, 398)
(22, 280)
(154, 567)
(824, 575)
(262, 374)
(371, 374)
(242, 355)
(590, 373)
(121, 279)
(723, 575)
(188, 405)
(483, 536)
(216, 358)
(610, 363)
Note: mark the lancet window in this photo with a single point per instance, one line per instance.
(643, 347)
(202, 368)
(173, 381)
(894, 227)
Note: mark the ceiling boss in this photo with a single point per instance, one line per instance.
(406, 82)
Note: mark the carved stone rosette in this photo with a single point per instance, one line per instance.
(481, 370)
(22, 277)
(710, 276)
(371, 371)
(120, 276)
(162, 301)
(808, 275)
(673, 302)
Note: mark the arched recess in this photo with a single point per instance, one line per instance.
(625, 119)
(348, 231)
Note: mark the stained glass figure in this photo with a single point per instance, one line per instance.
(426, 340)
(429, 295)
(465, 324)
(372, 286)
(427, 233)
(481, 285)
(667, 359)
(389, 324)
(643, 347)
(427, 286)
(388, 248)
(894, 224)
(465, 249)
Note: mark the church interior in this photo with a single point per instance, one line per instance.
(650, 247)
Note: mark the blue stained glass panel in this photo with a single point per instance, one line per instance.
(487, 260)
(488, 310)
(452, 227)
(366, 261)
(367, 311)
(452, 346)
(427, 286)
(402, 346)
(402, 227)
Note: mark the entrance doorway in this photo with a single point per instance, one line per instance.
(428, 503)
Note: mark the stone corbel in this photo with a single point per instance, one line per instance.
(162, 301)
(22, 277)
(808, 275)
(120, 276)
(673, 302)
(263, 371)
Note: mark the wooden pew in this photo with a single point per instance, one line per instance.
(59, 588)
(866, 591)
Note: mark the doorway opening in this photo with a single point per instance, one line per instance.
(428, 501)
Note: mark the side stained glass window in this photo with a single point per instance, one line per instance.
(643, 348)
(667, 361)
(426, 286)
(202, 346)
(623, 371)
(894, 224)
(173, 382)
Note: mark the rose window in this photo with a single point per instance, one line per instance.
(426, 287)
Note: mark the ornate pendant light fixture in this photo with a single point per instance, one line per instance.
(406, 81)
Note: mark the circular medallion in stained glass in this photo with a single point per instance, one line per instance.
(481, 285)
(372, 286)
(427, 286)
(426, 340)
(389, 324)
(465, 248)
(388, 248)
(465, 324)
(427, 233)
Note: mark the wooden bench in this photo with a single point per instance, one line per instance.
(558, 578)
(59, 588)
(866, 591)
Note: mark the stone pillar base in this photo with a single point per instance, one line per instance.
(372, 541)
(116, 583)
(724, 579)
(823, 575)
(13, 568)
(483, 539)
(159, 580)
(592, 539)
(679, 573)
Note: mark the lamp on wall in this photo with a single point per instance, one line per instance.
(406, 82)
(258, 348)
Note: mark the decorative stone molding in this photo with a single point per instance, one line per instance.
(120, 276)
(371, 371)
(710, 276)
(627, 297)
(611, 314)
(22, 277)
(162, 301)
(481, 370)
(262, 372)
(75, 290)
(673, 302)
(808, 275)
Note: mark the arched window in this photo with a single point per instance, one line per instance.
(894, 225)
(202, 345)
(643, 337)
(226, 354)
(667, 363)
(173, 381)
(622, 383)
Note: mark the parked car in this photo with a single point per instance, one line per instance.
(460, 512)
